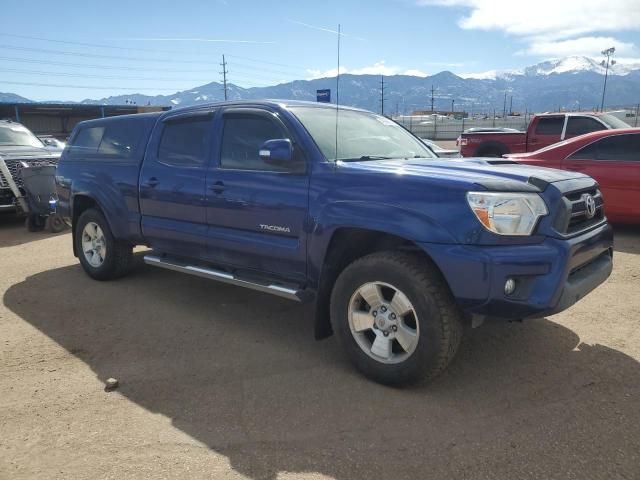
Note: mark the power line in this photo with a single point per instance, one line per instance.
(95, 55)
(85, 86)
(266, 81)
(172, 52)
(105, 67)
(287, 65)
(111, 77)
(261, 69)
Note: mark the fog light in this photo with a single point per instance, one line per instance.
(509, 286)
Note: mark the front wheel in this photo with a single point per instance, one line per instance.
(394, 315)
(102, 256)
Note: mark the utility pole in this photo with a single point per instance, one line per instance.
(511, 105)
(432, 90)
(224, 75)
(504, 107)
(606, 64)
(381, 94)
(637, 111)
(452, 105)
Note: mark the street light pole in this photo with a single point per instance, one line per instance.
(606, 63)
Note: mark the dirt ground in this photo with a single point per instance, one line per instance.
(221, 382)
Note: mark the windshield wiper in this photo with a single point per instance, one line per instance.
(365, 158)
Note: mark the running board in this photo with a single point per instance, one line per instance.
(224, 277)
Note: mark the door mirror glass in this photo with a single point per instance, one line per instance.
(276, 152)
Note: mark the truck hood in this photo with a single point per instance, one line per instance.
(14, 152)
(492, 174)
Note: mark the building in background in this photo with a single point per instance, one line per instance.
(58, 119)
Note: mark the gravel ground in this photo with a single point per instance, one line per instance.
(222, 382)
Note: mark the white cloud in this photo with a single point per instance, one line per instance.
(378, 68)
(552, 28)
(556, 18)
(588, 46)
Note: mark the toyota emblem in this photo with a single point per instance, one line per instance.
(590, 205)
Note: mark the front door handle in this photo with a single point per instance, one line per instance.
(217, 187)
(152, 182)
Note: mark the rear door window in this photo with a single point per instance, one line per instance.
(581, 125)
(186, 142)
(624, 148)
(550, 126)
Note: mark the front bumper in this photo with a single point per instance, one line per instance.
(550, 276)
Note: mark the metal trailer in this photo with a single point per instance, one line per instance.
(39, 200)
(11, 183)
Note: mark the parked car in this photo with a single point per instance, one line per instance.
(544, 129)
(611, 157)
(52, 143)
(18, 146)
(439, 151)
(396, 248)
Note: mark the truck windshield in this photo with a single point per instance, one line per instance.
(18, 136)
(361, 135)
(613, 122)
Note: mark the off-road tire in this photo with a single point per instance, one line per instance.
(441, 326)
(119, 258)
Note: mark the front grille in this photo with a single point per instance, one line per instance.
(577, 215)
(14, 166)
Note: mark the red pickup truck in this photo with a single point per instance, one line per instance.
(543, 130)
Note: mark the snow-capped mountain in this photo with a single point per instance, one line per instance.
(577, 64)
(571, 65)
(12, 98)
(569, 83)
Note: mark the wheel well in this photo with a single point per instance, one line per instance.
(346, 246)
(81, 203)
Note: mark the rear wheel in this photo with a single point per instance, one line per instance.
(394, 316)
(102, 256)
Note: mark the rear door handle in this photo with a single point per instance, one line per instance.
(217, 187)
(152, 182)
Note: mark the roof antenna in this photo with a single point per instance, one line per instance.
(337, 91)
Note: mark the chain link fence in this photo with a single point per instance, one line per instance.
(446, 127)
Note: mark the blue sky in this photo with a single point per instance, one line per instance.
(159, 47)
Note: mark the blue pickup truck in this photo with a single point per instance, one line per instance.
(398, 250)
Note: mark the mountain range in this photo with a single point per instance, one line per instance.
(569, 83)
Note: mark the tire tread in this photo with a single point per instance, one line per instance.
(429, 279)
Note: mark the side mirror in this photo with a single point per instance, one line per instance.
(277, 152)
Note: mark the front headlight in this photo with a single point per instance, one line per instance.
(507, 213)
